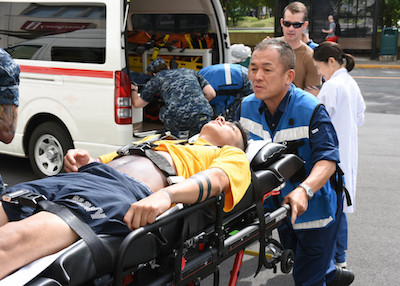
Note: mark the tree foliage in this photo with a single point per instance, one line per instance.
(235, 9)
(391, 12)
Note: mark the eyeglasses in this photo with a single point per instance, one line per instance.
(296, 25)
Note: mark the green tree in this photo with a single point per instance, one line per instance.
(235, 9)
(391, 12)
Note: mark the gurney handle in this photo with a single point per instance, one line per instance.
(172, 210)
(273, 217)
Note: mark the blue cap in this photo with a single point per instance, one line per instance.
(9, 79)
(154, 64)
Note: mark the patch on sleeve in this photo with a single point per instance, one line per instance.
(314, 131)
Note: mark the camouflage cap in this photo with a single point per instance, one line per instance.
(9, 79)
(154, 64)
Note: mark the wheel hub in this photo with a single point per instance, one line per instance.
(51, 154)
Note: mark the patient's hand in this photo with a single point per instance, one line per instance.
(76, 158)
(146, 210)
(298, 201)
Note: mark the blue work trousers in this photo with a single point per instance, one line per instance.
(314, 251)
(341, 243)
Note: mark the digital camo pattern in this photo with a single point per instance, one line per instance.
(9, 79)
(186, 107)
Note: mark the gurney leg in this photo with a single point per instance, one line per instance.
(236, 268)
(216, 277)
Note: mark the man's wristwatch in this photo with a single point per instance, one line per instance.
(309, 191)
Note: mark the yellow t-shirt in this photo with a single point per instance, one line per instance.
(190, 159)
(197, 157)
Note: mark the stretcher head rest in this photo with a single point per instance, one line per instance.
(267, 155)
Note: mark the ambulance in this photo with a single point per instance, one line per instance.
(78, 59)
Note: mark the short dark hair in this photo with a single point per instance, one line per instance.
(157, 65)
(296, 7)
(287, 55)
(244, 133)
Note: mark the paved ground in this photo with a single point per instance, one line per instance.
(364, 61)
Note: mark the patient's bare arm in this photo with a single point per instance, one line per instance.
(76, 158)
(146, 210)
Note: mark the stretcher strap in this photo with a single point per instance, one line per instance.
(144, 149)
(338, 185)
(101, 256)
(160, 162)
(260, 213)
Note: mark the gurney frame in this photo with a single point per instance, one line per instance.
(189, 245)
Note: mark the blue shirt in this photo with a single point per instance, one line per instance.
(320, 121)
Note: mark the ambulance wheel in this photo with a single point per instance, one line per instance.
(287, 260)
(47, 146)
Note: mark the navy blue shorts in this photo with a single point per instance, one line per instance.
(98, 194)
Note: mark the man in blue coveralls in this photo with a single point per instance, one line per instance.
(9, 99)
(280, 112)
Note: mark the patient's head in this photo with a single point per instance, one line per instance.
(220, 132)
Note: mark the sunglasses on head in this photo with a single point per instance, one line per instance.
(295, 24)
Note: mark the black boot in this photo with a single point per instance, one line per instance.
(343, 277)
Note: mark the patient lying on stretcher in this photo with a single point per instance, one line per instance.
(125, 193)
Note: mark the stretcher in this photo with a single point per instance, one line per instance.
(188, 243)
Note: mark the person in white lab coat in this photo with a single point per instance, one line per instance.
(345, 104)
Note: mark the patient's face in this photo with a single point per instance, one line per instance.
(220, 132)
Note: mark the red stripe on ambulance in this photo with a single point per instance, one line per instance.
(64, 71)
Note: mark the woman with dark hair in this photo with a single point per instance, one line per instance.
(343, 100)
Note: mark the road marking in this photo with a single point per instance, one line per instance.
(378, 77)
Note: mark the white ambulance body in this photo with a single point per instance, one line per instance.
(77, 59)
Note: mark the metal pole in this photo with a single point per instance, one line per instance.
(374, 42)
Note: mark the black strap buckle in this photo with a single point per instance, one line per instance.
(23, 197)
(140, 148)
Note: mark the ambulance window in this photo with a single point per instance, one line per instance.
(22, 51)
(78, 54)
(42, 11)
(78, 28)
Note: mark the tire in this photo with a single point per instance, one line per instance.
(287, 260)
(47, 146)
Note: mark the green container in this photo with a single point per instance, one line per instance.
(389, 40)
(245, 63)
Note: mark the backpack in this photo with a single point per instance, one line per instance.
(337, 29)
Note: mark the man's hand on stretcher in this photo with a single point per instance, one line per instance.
(298, 199)
(76, 158)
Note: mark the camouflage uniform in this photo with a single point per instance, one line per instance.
(9, 81)
(186, 108)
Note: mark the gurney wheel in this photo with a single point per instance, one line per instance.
(287, 260)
